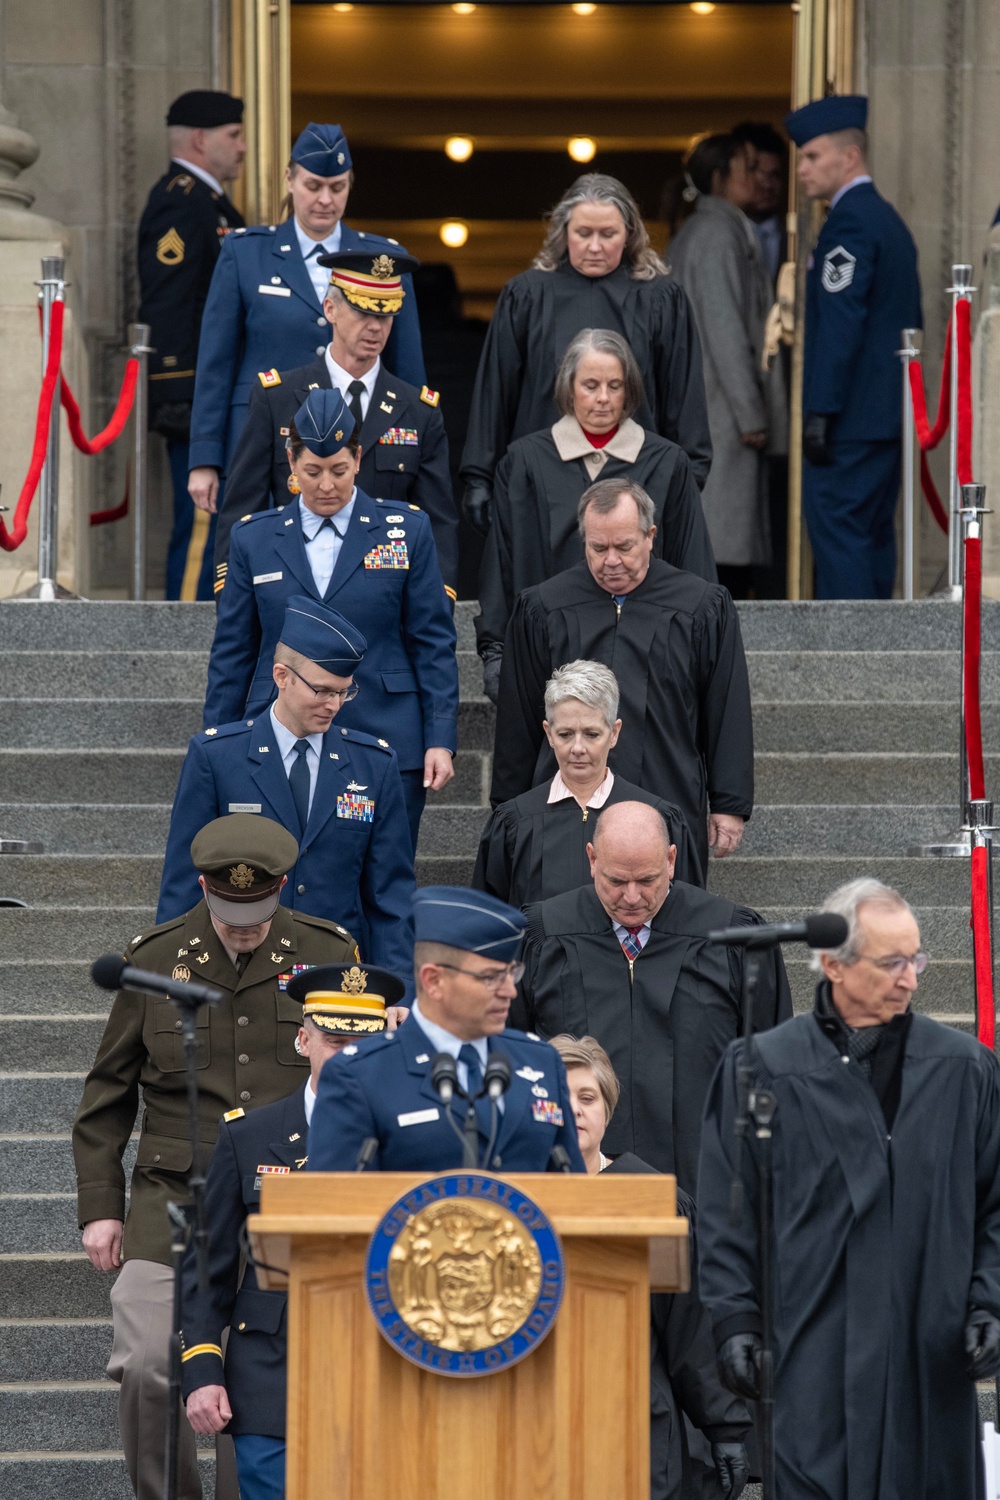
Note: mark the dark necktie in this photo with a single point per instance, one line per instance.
(298, 780)
(467, 1054)
(631, 945)
(242, 959)
(355, 391)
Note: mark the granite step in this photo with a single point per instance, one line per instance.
(43, 1165)
(64, 1349)
(876, 676)
(52, 1286)
(37, 1221)
(839, 779)
(86, 1475)
(42, 1103)
(807, 880)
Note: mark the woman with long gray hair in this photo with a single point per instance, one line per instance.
(596, 269)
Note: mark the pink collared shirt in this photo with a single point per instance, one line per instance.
(559, 791)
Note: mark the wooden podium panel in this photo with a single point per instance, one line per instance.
(569, 1422)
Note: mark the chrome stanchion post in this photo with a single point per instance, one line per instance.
(910, 351)
(140, 349)
(960, 290)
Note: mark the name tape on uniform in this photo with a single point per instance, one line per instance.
(267, 577)
(419, 1117)
(275, 291)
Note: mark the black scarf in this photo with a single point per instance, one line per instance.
(878, 1050)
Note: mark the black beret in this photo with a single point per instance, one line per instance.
(204, 109)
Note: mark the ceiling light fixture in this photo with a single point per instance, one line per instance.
(702, 7)
(582, 148)
(453, 233)
(459, 147)
(584, 10)
(463, 10)
(343, 7)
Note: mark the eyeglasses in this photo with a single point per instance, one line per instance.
(329, 695)
(494, 978)
(897, 964)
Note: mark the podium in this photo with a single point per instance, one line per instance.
(570, 1421)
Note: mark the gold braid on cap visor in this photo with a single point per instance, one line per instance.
(333, 1011)
(369, 293)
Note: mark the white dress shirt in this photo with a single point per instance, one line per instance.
(854, 182)
(310, 1101)
(286, 746)
(341, 380)
(199, 172)
(443, 1041)
(311, 249)
(323, 543)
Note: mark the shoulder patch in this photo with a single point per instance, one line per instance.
(269, 377)
(432, 398)
(233, 1114)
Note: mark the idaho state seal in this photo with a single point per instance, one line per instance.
(464, 1275)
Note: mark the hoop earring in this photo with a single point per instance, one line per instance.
(293, 485)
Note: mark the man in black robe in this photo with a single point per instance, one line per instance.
(886, 1233)
(672, 640)
(664, 1015)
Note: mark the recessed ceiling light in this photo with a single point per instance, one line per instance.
(459, 147)
(702, 7)
(582, 148)
(453, 233)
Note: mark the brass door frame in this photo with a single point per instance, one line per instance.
(259, 36)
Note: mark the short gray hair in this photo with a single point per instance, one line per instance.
(640, 259)
(589, 682)
(847, 901)
(600, 341)
(604, 496)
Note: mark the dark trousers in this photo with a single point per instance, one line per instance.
(416, 796)
(849, 508)
(260, 1462)
(192, 540)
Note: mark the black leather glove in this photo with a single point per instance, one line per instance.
(172, 420)
(732, 1467)
(816, 440)
(492, 662)
(982, 1344)
(739, 1365)
(476, 505)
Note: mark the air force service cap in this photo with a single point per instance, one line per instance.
(470, 920)
(824, 116)
(322, 636)
(324, 423)
(323, 150)
(205, 109)
(244, 859)
(347, 1001)
(372, 283)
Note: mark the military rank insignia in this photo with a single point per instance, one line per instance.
(284, 980)
(358, 809)
(388, 555)
(269, 377)
(432, 398)
(170, 248)
(400, 437)
(547, 1111)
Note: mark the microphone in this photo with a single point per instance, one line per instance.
(444, 1081)
(367, 1154)
(559, 1159)
(496, 1079)
(114, 973)
(444, 1077)
(825, 929)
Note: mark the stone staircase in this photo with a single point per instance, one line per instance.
(856, 732)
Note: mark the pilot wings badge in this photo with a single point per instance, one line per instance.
(352, 786)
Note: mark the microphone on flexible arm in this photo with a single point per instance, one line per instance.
(113, 973)
(367, 1153)
(559, 1159)
(496, 1082)
(444, 1082)
(824, 929)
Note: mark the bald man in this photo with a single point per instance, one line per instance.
(627, 960)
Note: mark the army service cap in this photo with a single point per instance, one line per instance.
(347, 1001)
(324, 422)
(824, 116)
(470, 920)
(322, 636)
(205, 109)
(323, 150)
(244, 859)
(372, 282)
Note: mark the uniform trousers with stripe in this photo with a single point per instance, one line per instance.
(192, 541)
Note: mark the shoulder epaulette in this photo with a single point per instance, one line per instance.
(323, 923)
(432, 398)
(144, 937)
(372, 1044)
(414, 507)
(255, 515)
(225, 731)
(183, 180)
(233, 1114)
(358, 737)
(269, 377)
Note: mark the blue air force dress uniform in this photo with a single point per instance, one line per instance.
(183, 226)
(264, 311)
(355, 862)
(386, 580)
(271, 1141)
(862, 290)
(382, 1088)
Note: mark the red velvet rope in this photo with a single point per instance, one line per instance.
(115, 512)
(119, 416)
(970, 667)
(11, 540)
(982, 945)
(929, 437)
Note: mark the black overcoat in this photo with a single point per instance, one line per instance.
(676, 650)
(534, 533)
(538, 313)
(532, 849)
(664, 1020)
(882, 1244)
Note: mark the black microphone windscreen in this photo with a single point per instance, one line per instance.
(108, 970)
(826, 930)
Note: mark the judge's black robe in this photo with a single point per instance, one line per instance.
(534, 532)
(676, 650)
(537, 315)
(684, 1381)
(882, 1244)
(664, 1020)
(532, 849)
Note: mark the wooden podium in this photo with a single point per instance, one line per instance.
(569, 1422)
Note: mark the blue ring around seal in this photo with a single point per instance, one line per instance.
(508, 1351)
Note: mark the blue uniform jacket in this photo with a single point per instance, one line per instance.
(381, 1087)
(862, 290)
(254, 1373)
(262, 313)
(386, 582)
(355, 863)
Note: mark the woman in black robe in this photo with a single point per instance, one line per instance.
(697, 1429)
(535, 846)
(596, 269)
(535, 532)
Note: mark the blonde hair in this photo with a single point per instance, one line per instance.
(587, 1052)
